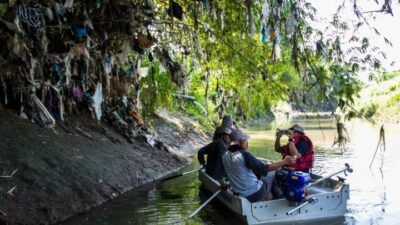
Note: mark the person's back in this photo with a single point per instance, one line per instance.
(248, 176)
(242, 180)
(214, 152)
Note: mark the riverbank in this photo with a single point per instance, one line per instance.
(380, 100)
(64, 173)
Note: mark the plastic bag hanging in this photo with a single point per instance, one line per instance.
(68, 4)
(42, 109)
(291, 25)
(97, 100)
(264, 13)
(278, 37)
(205, 4)
(107, 68)
(276, 51)
(32, 16)
(250, 18)
(221, 17)
(264, 34)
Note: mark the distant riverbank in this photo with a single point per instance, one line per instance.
(380, 100)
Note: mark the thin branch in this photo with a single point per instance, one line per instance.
(4, 214)
(10, 192)
(11, 175)
(374, 11)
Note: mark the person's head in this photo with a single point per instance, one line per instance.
(227, 121)
(240, 138)
(226, 135)
(296, 130)
(223, 133)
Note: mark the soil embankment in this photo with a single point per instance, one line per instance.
(61, 174)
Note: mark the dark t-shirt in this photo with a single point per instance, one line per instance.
(259, 168)
(214, 152)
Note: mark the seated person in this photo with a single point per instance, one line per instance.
(299, 147)
(248, 176)
(214, 152)
(226, 122)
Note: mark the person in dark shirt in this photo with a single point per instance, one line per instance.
(226, 122)
(299, 147)
(214, 152)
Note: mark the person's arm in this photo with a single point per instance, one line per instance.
(278, 147)
(259, 168)
(293, 149)
(274, 166)
(203, 151)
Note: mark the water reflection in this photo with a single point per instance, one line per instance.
(374, 196)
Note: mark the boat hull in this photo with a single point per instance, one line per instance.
(330, 202)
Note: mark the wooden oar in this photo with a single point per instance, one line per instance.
(181, 174)
(205, 203)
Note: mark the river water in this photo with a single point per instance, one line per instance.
(374, 192)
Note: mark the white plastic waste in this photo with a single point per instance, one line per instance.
(98, 99)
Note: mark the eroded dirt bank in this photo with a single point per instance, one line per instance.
(61, 174)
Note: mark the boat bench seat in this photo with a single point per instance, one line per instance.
(318, 190)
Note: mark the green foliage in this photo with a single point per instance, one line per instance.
(381, 100)
(394, 87)
(395, 100)
(381, 77)
(156, 90)
(369, 110)
(233, 70)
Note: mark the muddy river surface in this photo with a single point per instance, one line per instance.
(374, 192)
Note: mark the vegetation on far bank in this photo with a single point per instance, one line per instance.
(380, 99)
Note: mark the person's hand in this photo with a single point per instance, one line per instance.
(278, 134)
(294, 158)
(223, 185)
(287, 160)
(290, 134)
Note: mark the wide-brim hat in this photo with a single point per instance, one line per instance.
(227, 121)
(297, 127)
(238, 135)
(223, 130)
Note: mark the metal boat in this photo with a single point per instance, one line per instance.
(325, 200)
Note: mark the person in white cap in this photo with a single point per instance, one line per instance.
(299, 147)
(249, 177)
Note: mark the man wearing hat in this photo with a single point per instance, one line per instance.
(226, 122)
(299, 147)
(248, 176)
(214, 152)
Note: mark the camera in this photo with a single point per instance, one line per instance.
(283, 132)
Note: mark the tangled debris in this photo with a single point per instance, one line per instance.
(64, 57)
